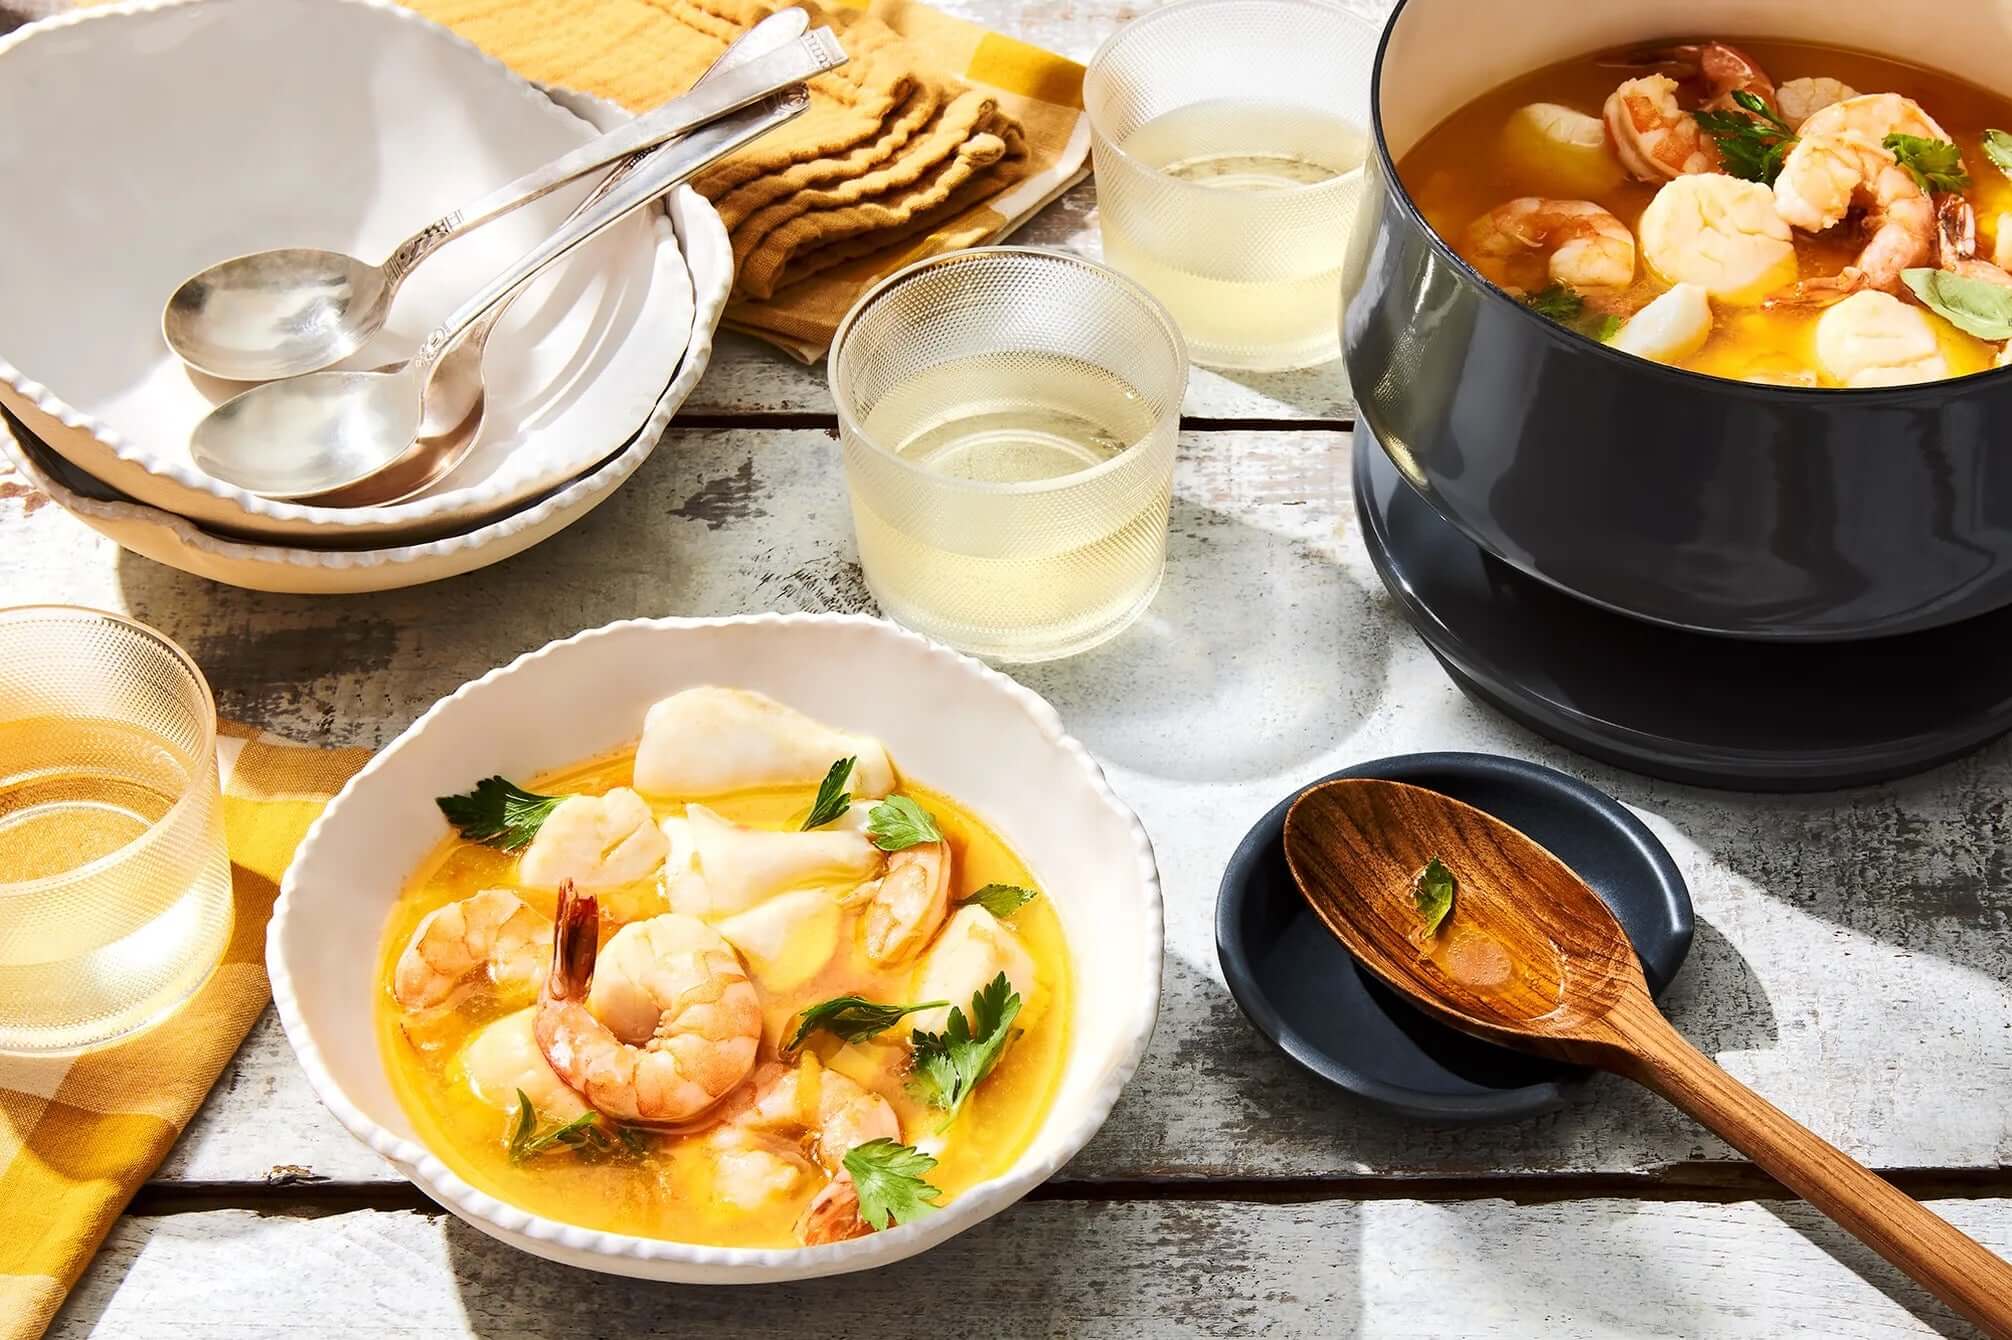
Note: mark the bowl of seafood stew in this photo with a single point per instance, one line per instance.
(1695, 310)
(724, 950)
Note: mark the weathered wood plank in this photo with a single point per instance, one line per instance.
(1850, 962)
(1384, 1268)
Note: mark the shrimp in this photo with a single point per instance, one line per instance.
(908, 903)
(788, 1118)
(1956, 243)
(699, 1045)
(1654, 137)
(1589, 247)
(1723, 70)
(1800, 99)
(492, 932)
(1839, 163)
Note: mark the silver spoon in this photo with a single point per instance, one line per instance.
(311, 435)
(456, 401)
(283, 312)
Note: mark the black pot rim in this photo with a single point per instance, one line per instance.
(1557, 334)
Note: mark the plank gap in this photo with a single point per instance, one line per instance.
(1707, 1183)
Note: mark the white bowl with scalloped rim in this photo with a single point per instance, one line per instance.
(950, 722)
(304, 570)
(158, 136)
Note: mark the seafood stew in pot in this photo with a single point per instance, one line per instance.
(1779, 212)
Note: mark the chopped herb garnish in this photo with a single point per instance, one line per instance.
(1562, 303)
(950, 1064)
(1432, 890)
(898, 823)
(498, 813)
(832, 797)
(1001, 900)
(852, 1018)
(1935, 165)
(1752, 142)
(1998, 148)
(585, 1135)
(888, 1177)
(1977, 306)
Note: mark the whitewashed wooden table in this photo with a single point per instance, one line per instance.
(1851, 959)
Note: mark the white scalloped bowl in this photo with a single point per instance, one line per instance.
(950, 723)
(169, 134)
(180, 543)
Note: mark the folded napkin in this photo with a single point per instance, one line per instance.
(79, 1134)
(935, 135)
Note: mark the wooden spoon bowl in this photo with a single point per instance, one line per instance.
(1531, 957)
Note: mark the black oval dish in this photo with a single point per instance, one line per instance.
(1306, 993)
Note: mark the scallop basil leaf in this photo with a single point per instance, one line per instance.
(1998, 148)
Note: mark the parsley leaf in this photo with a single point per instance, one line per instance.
(1981, 308)
(1563, 304)
(832, 797)
(949, 1065)
(1998, 148)
(1935, 165)
(1752, 142)
(898, 823)
(498, 813)
(1560, 302)
(888, 1177)
(1432, 890)
(1001, 900)
(853, 1018)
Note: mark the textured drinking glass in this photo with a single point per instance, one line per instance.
(115, 887)
(1229, 138)
(1008, 419)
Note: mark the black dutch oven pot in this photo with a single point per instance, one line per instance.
(1708, 504)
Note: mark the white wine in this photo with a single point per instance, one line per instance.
(1065, 538)
(114, 893)
(1255, 283)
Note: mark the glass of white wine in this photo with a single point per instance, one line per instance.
(1229, 138)
(1008, 419)
(115, 885)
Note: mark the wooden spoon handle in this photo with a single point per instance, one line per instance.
(1942, 1258)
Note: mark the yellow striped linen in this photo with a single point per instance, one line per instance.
(79, 1134)
(937, 134)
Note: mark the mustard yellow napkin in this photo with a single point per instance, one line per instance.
(79, 1134)
(937, 134)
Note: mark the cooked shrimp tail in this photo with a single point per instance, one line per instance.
(490, 933)
(576, 941)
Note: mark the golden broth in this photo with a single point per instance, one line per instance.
(667, 1191)
(1455, 176)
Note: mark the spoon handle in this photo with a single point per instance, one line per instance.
(1940, 1257)
(658, 173)
(727, 90)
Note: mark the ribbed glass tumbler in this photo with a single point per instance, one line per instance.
(115, 886)
(1229, 138)
(1008, 419)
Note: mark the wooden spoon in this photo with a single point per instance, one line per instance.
(1531, 958)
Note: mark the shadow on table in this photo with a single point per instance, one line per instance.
(1320, 392)
(1257, 655)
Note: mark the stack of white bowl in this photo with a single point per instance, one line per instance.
(158, 138)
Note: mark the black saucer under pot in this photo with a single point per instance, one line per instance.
(1304, 992)
(1711, 711)
(1708, 504)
